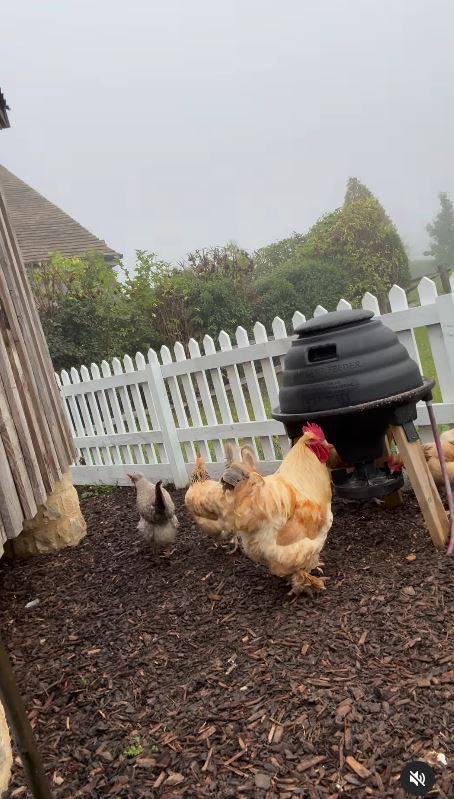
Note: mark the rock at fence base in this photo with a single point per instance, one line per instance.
(6, 756)
(59, 523)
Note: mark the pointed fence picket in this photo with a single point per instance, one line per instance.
(191, 399)
(206, 400)
(178, 405)
(157, 416)
(236, 389)
(106, 415)
(125, 451)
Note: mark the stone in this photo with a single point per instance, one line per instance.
(6, 755)
(262, 781)
(59, 523)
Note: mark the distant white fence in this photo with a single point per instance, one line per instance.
(154, 416)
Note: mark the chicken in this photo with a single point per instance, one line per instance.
(158, 523)
(431, 455)
(209, 504)
(283, 519)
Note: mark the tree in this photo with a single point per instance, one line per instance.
(268, 258)
(357, 191)
(81, 305)
(441, 231)
(299, 285)
(151, 304)
(167, 304)
(363, 241)
(231, 261)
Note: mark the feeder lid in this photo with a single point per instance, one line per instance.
(328, 321)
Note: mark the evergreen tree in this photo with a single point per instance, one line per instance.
(361, 239)
(441, 231)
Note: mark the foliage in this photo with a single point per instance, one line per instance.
(80, 301)
(134, 750)
(266, 259)
(361, 239)
(356, 191)
(89, 314)
(151, 304)
(441, 231)
(167, 304)
(299, 285)
(91, 491)
(229, 261)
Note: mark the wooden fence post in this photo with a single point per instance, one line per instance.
(169, 431)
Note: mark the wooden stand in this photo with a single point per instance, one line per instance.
(396, 499)
(429, 500)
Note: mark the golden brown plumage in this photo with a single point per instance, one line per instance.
(431, 455)
(210, 505)
(283, 519)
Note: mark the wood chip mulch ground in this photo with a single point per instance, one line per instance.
(196, 675)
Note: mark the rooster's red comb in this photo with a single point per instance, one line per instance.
(315, 429)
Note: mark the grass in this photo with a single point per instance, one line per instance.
(96, 491)
(134, 750)
(427, 362)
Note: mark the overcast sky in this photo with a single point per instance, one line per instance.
(171, 125)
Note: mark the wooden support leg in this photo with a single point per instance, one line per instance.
(396, 499)
(432, 509)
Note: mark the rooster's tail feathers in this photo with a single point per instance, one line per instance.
(248, 456)
(159, 499)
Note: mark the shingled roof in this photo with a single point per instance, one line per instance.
(41, 227)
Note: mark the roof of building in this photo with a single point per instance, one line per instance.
(41, 227)
(4, 121)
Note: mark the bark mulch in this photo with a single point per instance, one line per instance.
(196, 675)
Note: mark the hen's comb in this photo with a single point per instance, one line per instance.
(315, 429)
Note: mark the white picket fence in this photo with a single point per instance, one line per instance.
(154, 416)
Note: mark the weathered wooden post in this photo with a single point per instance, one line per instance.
(22, 731)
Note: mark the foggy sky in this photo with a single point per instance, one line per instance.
(171, 125)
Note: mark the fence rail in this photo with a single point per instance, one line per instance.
(155, 415)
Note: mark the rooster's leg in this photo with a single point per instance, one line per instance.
(304, 581)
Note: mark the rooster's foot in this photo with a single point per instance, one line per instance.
(167, 553)
(304, 581)
(236, 544)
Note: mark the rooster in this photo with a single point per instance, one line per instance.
(158, 523)
(209, 504)
(283, 519)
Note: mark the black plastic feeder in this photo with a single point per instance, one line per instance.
(348, 372)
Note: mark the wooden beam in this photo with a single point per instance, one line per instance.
(54, 409)
(16, 405)
(16, 460)
(396, 499)
(24, 378)
(429, 500)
